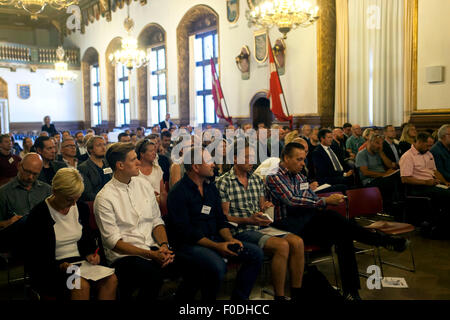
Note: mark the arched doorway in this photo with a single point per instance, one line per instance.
(4, 107)
(260, 109)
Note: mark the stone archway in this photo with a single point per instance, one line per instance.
(151, 35)
(115, 44)
(260, 109)
(4, 108)
(198, 18)
(90, 58)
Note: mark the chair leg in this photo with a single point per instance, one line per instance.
(334, 269)
(399, 266)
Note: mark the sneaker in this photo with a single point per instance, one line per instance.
(397, 244)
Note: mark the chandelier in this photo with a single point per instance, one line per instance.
(61, 74)
(34, 7)
(130, 56)
(284, 14)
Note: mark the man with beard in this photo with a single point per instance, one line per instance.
(46, 148)
(338, 146)
(95, 170)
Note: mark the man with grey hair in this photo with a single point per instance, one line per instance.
(69, 152)
(441, 151)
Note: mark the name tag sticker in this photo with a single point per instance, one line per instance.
(206, 210)
(11, 160)
(304, 186)
(107, 171)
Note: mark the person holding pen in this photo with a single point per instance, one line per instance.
(58, 234)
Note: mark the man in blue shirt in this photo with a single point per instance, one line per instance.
(199, 231)
(441, 151)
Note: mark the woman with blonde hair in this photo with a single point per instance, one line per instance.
(367, 133)
(408, 137)
(58, 235)
(290, 137)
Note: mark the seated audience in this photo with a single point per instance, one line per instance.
(45, 147)
(441, 151)
(300, 211)
(338, 146)
(163, 161)
(133, 138)
(177, 170)
(16, 149)
(82, 158)
(243, 202)
(408, 137)
(390, 148)
(48, 127)
(69, 152)
(58, 234)
(166, 148)
(354, 141)
(27, 143)
(133, 233)
(105, 137)
(328, 168)
(347, 128)
(8, 161)
(95, 170)
(140, 133)
(200, 232)
(57, 138)
(81, 147)
(155, 129)
(376, 170)
(18, 197)
(418, 171)
(149, 169)
(306, 131)
(65, 134)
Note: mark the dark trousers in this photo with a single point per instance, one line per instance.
(12, 237)
(389, 188)
(207, 269)
(325, 228)
(138, 273)
(440, 198)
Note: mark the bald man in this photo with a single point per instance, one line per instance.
(22, 193)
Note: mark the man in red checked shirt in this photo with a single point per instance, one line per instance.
(300, 211)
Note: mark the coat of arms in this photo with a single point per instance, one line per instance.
(232, 10)
(23, 91)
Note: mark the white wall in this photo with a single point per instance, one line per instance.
(62, 104)
(433, 50)
(299, 81)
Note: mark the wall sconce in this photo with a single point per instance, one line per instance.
(243, 62)
(279, 53)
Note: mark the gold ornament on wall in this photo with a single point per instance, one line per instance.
(279, 53)
(243, 62)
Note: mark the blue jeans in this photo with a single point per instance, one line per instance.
(207, 269)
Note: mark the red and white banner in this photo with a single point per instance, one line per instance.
(218, 94)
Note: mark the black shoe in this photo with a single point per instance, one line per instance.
(397, 244)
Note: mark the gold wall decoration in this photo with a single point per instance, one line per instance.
(279, 53)
(243, 62)
(232, 11)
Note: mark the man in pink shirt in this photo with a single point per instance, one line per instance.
(418, 171)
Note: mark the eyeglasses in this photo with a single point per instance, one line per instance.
(29, 172)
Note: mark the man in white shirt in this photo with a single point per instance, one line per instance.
(133, 233)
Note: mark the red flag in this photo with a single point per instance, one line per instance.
(276, 91)
(218, 94)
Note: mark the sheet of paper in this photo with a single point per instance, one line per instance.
(390, 282)
(324, 186)
(272, 231)
(93, 272)
(442, 186)
(398, 170)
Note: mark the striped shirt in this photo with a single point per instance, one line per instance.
(285, 190)
(243, 202)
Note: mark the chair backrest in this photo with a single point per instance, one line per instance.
(364, 202)
(341, 208)
(92, 222)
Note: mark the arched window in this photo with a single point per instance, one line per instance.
(111, 84)
(153, 38)
(198, 42)
(91, 84)
(123, 95)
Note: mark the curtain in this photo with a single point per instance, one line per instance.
(341, 95)
(376, 91)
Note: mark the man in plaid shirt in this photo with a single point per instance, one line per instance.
(243, 202)
(301, 211)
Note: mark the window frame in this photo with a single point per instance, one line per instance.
(96, 106)
(158, 72)
(122, 78)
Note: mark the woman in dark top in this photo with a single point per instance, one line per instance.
(49, 127)
(408, 137)
(58, 235)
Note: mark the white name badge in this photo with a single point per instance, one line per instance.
(107, 171)
(206, 210)
(11, 160)
(304, 186)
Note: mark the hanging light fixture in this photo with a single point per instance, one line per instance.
(61, 74)
(34, 7)
(284, 14)
(130, 56)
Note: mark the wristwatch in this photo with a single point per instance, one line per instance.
(165, 243)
